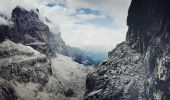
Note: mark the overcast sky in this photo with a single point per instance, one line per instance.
(87, 24)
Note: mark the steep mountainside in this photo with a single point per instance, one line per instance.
(137, 69)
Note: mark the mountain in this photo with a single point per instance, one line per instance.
(28, 29)
(138, 68)
(35, 63)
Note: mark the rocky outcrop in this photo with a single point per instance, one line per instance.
(137, 69)
(23, 64)
(117, 78)
(26, 74)
(26, 29)
(20, 66)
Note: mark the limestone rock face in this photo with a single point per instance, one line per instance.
(137, 69)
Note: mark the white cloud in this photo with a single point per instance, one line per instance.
(3, 21)
(94, 37)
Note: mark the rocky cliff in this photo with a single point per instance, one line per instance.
(137, 69)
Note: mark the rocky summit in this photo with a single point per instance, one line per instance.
(137, 69)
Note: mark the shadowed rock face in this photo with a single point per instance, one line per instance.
(147, 21)
(139, 67)
(27, 22)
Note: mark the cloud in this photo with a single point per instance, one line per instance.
(116, 8)
(3, 21)
(6, 6)
(94, 37)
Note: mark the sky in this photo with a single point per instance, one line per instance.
(97, 25)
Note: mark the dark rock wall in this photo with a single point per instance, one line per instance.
(147, 40)
(27, 22)
(4, 30)
(146, 21)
